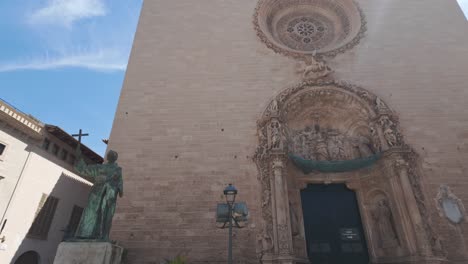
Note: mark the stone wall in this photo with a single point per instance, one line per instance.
(198, 80)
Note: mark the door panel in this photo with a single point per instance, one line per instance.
(333, 225)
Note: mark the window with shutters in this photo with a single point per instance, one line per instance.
(2, 150)
(55, 149)
(74, 221)
(46, 144)
(43, 219)
(64, 154)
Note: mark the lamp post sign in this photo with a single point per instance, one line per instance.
(231, 214)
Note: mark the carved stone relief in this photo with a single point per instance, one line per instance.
(265, 237)
(385, 223)
(392, 137)
(313, 69)
(329, 144)
(275, 135)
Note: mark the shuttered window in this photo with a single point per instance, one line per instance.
(74, 220)
(44, 216)
(2, 148)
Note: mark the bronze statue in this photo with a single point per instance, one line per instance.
(96, 221)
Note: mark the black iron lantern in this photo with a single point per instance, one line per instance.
(230, 192)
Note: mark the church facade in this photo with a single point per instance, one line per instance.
(343, 124)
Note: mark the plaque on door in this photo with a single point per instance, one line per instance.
(350, 234)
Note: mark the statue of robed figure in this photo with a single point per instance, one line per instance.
(96, 221)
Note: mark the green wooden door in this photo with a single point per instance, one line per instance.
(333, 225)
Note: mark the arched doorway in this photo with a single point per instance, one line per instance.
(30, 257)
(330, 123)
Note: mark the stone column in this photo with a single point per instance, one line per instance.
(401, 168)
(283, 238)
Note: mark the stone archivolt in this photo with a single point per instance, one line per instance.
(328, 120)
(298, 28)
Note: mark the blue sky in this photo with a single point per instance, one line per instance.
(464, 7)
(63, 61)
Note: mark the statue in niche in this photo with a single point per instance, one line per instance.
(275, 135)
(309, 137)
(321, 148)
(266, 198)
(390, 133)
(96, 221)
(375, 139)
(383, 217)
(274, 107)
(390, 137)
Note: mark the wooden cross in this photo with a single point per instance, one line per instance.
(80, 135)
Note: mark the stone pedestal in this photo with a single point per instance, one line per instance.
(88, 253)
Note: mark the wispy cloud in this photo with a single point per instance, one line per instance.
(65, 12)
(70, 34)
(104, 60)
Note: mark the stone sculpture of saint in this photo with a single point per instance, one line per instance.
(275, 135)
(383, 217)
(96, 221)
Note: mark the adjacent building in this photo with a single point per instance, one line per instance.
(41, 198)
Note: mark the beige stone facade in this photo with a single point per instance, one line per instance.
(209, 82)
(35, 174)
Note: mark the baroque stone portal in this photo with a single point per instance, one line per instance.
(329, 121)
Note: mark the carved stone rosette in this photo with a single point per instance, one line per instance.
(329, 120)
(320, 28)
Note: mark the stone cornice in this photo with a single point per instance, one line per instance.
(20, 121)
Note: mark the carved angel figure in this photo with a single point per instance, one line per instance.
(314, 69)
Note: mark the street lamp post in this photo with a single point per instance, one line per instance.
(231, 214)
(230, 193)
